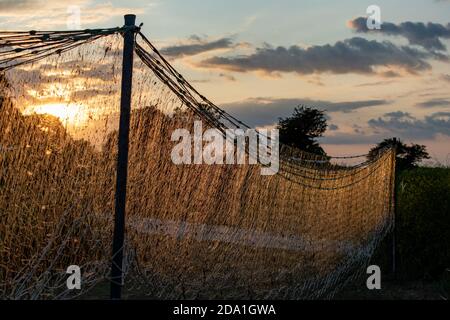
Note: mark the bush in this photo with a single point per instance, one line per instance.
(422, 225)
(423, 222)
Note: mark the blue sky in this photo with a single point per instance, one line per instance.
(259, 59)
(280, 22)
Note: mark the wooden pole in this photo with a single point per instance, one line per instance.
(122, 161)
(394, 231)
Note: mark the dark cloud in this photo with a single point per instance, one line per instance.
(374, 84)
(196, 46)
(228, 77)
(333, 127)
(404, 125)
(427, 35)
(352, 138)
(90, 93)
(266, 111)
(355, 55)
(389, 74)
(80, 70)
(434, 103)
(399, 124)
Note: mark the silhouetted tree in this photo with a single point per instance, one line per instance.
(407, 156)
(303, 128)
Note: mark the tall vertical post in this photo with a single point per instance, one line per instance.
(394, 200)
(122, 161)
(394, 231)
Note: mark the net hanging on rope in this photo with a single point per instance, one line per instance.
(193, 231)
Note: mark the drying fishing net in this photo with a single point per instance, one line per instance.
(192, 230)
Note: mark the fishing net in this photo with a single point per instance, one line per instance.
(192, 230)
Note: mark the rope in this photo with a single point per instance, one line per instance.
(19, 48)
(213, 114)
(193, 231)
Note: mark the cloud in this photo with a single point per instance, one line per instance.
(39, 14)
(18, 4)
(227, 77)
(13, 8)
(404, 125)
(374, 84)
(352, 138)
(333, 127)
(195, 46)
(67, 72)
(90, 93)
(434, 103)
(355, 55)
(427, 35)
(445, 77)
(389, 74)
(394, 124)
(258, 112)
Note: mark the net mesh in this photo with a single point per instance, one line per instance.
(192, 230)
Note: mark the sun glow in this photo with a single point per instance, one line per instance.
(69, 114)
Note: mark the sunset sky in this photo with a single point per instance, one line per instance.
(259, 59)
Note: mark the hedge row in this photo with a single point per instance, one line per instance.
(422, 224)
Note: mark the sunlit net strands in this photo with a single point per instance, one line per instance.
(20, 48)
(192, 231)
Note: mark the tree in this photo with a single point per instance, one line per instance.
(407, 156)
(303, 128)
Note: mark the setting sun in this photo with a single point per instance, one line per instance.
(69, 114)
